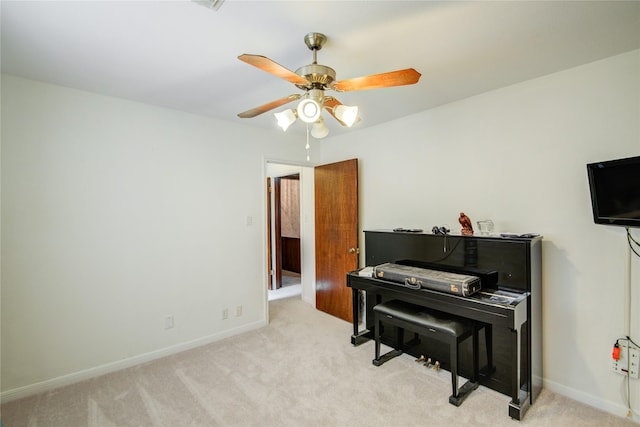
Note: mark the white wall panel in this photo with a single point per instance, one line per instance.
(116, 214)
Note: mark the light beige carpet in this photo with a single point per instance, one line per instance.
(301, 370)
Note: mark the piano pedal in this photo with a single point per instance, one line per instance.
(428, 363)
(436, 366)
(420, 359)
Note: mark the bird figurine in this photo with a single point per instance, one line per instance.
(465, 222)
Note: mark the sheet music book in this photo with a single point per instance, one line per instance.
(366, 272)
(504, 297)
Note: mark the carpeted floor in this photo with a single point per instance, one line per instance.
(291, 286)
(301, 370)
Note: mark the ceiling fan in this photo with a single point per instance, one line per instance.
(314, 79)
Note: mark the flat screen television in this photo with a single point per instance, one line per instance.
(615, 191)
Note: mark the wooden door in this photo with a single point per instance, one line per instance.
(336, 214)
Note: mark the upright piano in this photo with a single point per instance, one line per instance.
(509, 305)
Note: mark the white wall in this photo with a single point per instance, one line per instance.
(116, 214)
(517, 155)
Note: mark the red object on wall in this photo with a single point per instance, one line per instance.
(616, 351)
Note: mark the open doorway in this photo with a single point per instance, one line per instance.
(290, 232)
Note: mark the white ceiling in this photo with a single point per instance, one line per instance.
(181, 55)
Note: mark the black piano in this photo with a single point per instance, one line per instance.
(509, 303)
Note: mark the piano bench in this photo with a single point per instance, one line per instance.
(440, 326)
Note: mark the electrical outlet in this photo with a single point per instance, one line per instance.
(634, 361)
(168, 321)
(225, 313)
(629, 362)
(239, 311)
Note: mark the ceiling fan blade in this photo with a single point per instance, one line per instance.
(266, 64)
(408, 76)
(266, 107)
(330, 103)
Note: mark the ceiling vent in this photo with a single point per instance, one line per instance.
(210, 4)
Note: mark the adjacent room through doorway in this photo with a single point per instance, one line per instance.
(284, 236)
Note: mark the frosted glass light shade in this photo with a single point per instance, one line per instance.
(285, 118)
(319, 129)
(346, 114)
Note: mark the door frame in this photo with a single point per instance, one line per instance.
(307, 226)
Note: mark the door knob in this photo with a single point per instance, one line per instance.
(354, 250)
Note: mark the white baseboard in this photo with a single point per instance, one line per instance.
(75, 377)
(604, 405)
(309, 301)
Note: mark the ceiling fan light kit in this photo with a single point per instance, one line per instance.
(314, 79)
